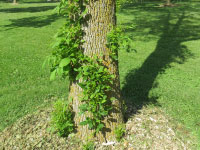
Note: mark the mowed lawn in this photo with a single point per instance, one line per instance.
(163, 69)
(26, 36)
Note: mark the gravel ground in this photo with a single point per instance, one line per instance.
(149, 129)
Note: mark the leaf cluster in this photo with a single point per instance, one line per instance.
(117, 40)
(62, 118)
(67, 52)
(120, 131)
(96, 82)
(89, 145)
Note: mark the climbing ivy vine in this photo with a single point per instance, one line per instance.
(68, 59)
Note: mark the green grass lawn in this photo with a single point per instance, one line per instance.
(164, 70)
(26, 35)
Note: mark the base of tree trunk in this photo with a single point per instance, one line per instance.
(168, 5)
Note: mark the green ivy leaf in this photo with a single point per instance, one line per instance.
(64, 62)
(86, 97)
(52, 76)
(85, 12)
(84, 107)
(60, 71)
(99, 127)
(84, 122)
(112, 98)
(104, 113)
(103, 101)
(92, 95)
(90, 123)
(79, 76)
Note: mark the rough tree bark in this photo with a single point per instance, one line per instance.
(168, 3)
(102, 16)
(14, 1)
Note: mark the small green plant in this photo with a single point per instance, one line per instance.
(117, 40)
(89, 145)
(62, 118)
(119, 132)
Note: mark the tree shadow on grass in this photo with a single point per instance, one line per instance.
(139, 82)
(27, 9)
(35, 22)
(144, 5)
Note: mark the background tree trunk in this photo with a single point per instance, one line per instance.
(101, 16)
(168, 2)
(14, 1)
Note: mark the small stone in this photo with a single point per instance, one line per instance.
(18, 136)
(125, 143)
(138, 119)
(108, 143)
(130, 148)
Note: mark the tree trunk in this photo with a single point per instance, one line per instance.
(168, 2)
(14, 1)
(102, 16)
